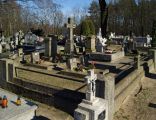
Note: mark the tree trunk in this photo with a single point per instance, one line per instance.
(104, 17)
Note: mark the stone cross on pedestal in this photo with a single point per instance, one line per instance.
(91, 85)
(92, 108)
(70, 25)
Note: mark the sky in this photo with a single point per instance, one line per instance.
(69, 5)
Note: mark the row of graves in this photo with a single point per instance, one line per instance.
(65, 63)
(72, 53)
(85, 48)
(131, 42)
(26, 41)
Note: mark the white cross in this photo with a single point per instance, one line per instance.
(90, 80)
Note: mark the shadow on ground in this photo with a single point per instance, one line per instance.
(151, 75)
(40, 118)
(152, 105)
(147, 73)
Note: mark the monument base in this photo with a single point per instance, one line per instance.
(95, 111)
(107, 57)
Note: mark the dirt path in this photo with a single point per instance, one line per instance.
(142, 106)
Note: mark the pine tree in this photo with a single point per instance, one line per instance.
(91, 27)
(94, 14)
(85, 30)
(87, 27)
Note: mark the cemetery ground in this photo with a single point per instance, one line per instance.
(142, 106)
(45, 112)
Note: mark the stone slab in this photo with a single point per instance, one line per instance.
(13, 112)
(107, 57)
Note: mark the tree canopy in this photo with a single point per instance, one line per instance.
(127, 15)
(18, 15)
(124, 16)
(87, 27)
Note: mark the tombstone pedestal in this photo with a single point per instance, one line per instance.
(71, 63)
(94, 110)
(90, 96)
(100, 48)
(107, 57)
(92, 101)
(90, 44)
(35, 57)
(69, 47)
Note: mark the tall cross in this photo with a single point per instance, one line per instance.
(70, 25)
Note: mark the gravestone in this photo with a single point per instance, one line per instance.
(84, 59)
(142, 41)
(1, 49)
(138, 62)
(81, 58)
(154, 59)
(48, 47)
(112, 53)
(91, 108)
(30, 39)
(51, 48)
(20, 52)
(16, 37)
(35, 57)
(72, 63)
(90, 44)
(54, 47)
(153, 51)
(2, 39)
(69, 46)
(7, 47)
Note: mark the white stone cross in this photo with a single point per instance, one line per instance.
(91, 85)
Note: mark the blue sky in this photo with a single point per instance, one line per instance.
(68, 5)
